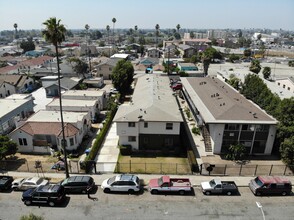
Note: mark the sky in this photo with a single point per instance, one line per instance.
(190, 14)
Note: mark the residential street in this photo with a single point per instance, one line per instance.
(147, 206)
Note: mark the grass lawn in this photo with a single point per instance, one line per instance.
(153, 165)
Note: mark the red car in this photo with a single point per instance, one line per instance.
(177, 86)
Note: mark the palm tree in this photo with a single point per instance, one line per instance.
(15, 27)
(88, 51)
(55, 33)
(157, 32)
(108, 29)
(113, 21)
(178, 27)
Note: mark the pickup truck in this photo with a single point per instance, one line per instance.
(216, 186)
(167, 184)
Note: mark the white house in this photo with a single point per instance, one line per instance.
(151, 121)
(6, 89)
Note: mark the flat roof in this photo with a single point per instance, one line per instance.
(153, 100)
(73, 102)
(54, 116)
(218, 102)
(84, 93)
(8, 105)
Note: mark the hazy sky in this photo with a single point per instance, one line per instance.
(30, 14)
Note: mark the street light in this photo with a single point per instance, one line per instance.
(260, 207)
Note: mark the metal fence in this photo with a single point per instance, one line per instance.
(245, 170)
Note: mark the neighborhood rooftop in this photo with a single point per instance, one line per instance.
(84, 93)
(71, 102)
(8, 105)
(219, 103)
(153, 100)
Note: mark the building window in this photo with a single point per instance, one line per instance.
(232, 127)
(279, 84)
(132, 138)
(145, 124)
(132, 124)
(289, 88)
(24, 142)
(169, 126)
(20, 141)
(71, 141)
(284, 86)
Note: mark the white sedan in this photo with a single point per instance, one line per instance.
(122, 183)
(28, 183)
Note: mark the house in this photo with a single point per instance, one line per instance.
(72, 105)
(6, 89)
(40, 137)
(21, 83)
(186, 51)
(187, 67)
(65, 84)
(41, 133)
(96, 82)
(286, 83)
(153, 52)
(226, 117)
(97, 95)
(12, 111)
(104, 69)
(148, 61)
(152, 120)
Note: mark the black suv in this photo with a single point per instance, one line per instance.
(48, 194)
(5, 182)
(78, 184)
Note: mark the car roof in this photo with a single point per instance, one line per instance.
(126, 177)
(273, 179)
(49, 188)
(33, 179)
(79, 179)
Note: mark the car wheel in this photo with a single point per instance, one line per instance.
(14, 189)
(27, 202)
(154, 191)
(84, 191)
(258, 193)
(106, 190)
(182, 192)
(229, 193)
(207, 193)
(284, 193)
(131, 191)
(51, 204)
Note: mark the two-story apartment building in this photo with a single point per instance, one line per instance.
(152, 120)
(226, 117)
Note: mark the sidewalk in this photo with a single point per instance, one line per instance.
(241, 181)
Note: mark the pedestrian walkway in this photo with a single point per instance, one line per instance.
(107, 157)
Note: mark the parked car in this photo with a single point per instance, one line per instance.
(28, 183)
(49, 194)
(59, 165)
(216, 186)
(167, 184)
(78, 184)
(265, 185)
(5, 182)
(122, 183)
(177, 86)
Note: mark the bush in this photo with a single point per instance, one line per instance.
(125, 150)
(236, 152)
(192, 161)
(196, 130)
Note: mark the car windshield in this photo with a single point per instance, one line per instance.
(258, 182)
(39, 181)
(160, 181)
(137, 180)
(111, 180)
(212, 183)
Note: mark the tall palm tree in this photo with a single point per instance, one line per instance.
(108, 29)
(15, 27)
(54, 33)
(157, 32)
(178, 27)
(113, 21)
(87, 27)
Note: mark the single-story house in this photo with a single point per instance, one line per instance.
(65, 84)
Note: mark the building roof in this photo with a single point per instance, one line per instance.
(15, 79)
(72, 103)
(120, 55)
(48, 128)
(110, 62)
(54, 116)
(185, 47)
(153, 100)
(8, 105)
(187, 64)
(66, 83)
(218, 102)
(84, 93)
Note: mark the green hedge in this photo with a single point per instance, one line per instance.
(192, 161)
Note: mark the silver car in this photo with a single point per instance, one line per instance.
(121, 183)
(28, 183)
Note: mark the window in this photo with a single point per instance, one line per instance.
(24, 141)
(279, 84)
(145, 124)
(284, 86)
(132, 124)
(169, 126)
(132, 138)
(20, 141)
(71, 141)
(232, 127)
(288, 88)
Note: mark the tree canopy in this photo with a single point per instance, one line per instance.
(7, 147)
(80, 67)
(255, 66)
(27, 45)
(266, 72)
(122, 76)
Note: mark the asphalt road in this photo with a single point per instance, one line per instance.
(147, 206)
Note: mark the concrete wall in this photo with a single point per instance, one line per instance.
(216, 136)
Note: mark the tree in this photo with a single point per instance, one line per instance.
(55, 33)
(236, 152)
(122, 76)
(178, 27)
(247, 53)
(7, 147)
(192, 35)
(80, 67)
(31, 216)
(266, 72)
(287, 151)
(27, 45)
(177, 36)
(108, 29)
(234, 81)
(233, 58)
(291, 63)
(16, 34)
(113, 21)
(209, 54)
(96, 35)
(255, 66)
(157, 33)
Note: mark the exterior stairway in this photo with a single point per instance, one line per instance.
(207, 141)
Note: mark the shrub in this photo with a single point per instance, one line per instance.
(196, 130)
(236, 152)
(125, 150)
